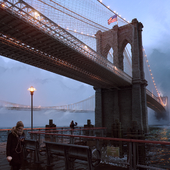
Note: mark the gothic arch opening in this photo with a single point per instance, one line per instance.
(110, 56)
(127, 59)
(108, 53)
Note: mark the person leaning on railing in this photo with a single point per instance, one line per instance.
(72, 124)
(14, 148)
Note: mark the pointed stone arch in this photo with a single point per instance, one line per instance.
(110, 55)
(127, 104)
(106, 50)
(107, 40)
(127, 53)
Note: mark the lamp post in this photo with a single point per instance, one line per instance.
(32, 89)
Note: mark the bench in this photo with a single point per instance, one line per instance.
(31, 145)
(72, 152)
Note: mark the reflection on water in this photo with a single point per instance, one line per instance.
(159, 154)
(159, 133)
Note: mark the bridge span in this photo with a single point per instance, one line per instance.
(28, 36)
(32, 41)
(29, 39)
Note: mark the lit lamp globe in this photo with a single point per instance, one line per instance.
(32, 89)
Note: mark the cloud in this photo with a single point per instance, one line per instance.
(160, 65)
(41, 118)
(52, 89)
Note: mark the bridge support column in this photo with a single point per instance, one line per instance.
(139, 105)
(111, 105)
(144, 107)
(126, 105)
(107, 108)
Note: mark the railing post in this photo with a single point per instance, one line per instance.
(130, 156)
(38, 137)
(51, 138)
(37, 152)
(134, 155)
(80, 131)
(56, 137)
(61, 136)
(80, 134)
(71, 139)
(48, 155)
(98, 145)
(102, 133)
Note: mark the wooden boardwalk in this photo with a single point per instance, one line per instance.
(58, 164)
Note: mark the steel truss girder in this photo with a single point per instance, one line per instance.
(27, 14)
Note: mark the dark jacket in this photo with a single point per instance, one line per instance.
(72, 125)
(14, 148)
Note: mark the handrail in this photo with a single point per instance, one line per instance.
(156, 98)
(108, 138)
(51, 128)
(37, 128)
(93, 128)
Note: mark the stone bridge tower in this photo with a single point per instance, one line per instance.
(125, 104)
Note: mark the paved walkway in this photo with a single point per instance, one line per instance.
(58, 164)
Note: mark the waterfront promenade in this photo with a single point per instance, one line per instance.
(58, 163)
(157, 152)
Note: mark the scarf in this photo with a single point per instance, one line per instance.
(15, 132)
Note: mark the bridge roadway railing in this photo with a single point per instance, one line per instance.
(152, 95)
(31, 15)
(128, 153)
(158, 99)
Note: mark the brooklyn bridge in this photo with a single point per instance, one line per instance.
(82, 48)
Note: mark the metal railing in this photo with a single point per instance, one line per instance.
(153, 96)
(63, 135)
(129, 153)
(4, 132)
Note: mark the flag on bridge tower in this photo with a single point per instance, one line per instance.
(112, 19)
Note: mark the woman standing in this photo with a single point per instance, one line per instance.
(14, 148)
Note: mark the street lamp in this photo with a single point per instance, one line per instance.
(32, 89)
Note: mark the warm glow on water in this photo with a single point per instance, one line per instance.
(163, 135)
(160, 153)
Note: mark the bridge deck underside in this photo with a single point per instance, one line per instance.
(22, 41)
(50, 54)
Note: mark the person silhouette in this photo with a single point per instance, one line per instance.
(14, 147)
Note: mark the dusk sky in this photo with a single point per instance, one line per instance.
(53, 89)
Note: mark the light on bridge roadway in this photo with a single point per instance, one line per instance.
(36, 14)
(3, 5)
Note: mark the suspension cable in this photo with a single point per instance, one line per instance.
(100, 26)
